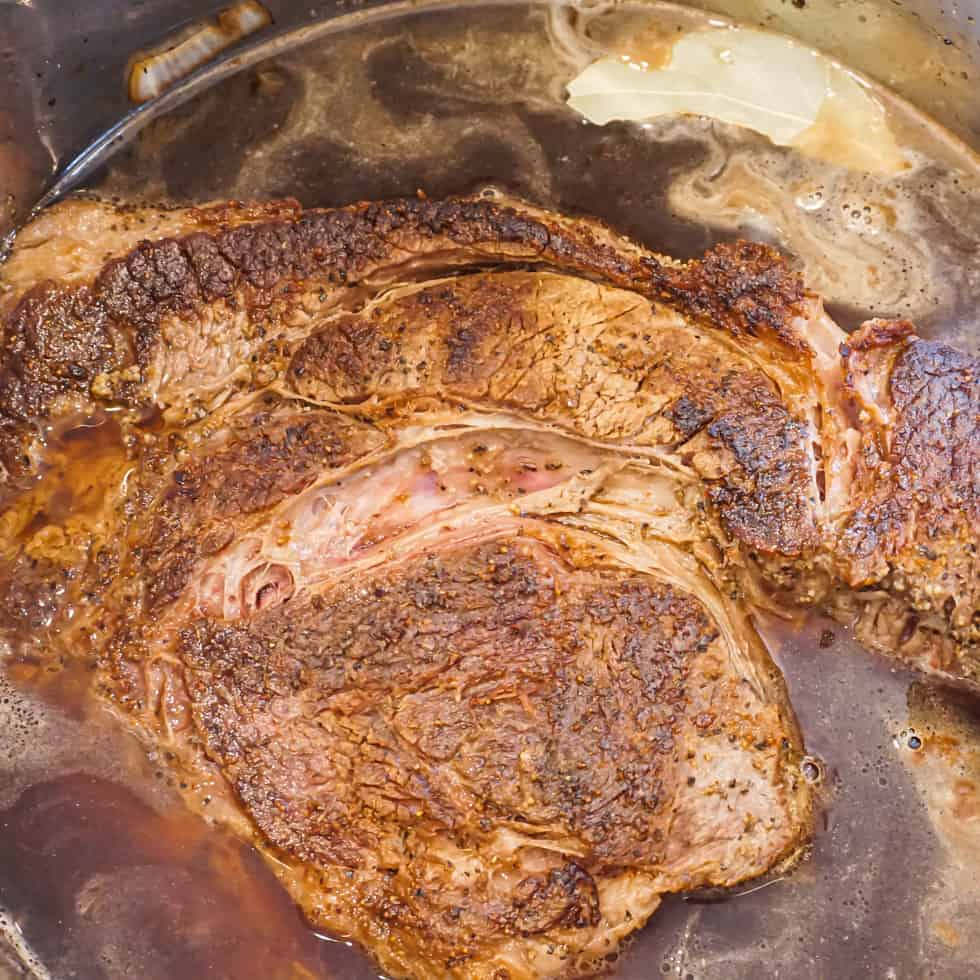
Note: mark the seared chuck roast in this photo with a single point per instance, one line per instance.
(429, 532)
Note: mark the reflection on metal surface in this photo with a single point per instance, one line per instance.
(153, 74)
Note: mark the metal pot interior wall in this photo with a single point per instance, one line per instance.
(63, 66)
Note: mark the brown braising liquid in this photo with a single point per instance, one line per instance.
(102, 868)
(104, 872)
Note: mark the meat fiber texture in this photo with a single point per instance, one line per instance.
(429, 537)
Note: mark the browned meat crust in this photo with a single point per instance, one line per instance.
(914, 527)
(342, 727)
(600, 361)
(58, 340)
(443, 577)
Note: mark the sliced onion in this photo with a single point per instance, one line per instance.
(155, 73)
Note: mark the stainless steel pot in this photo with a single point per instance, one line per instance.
(100, 875)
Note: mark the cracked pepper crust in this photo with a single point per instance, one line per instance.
(434, 527)
(213, 302)
(517, 742)
(58, 339)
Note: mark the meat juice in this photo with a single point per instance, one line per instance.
(101, 868)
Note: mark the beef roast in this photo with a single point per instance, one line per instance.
(425, 537)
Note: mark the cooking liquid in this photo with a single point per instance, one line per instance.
(102, 868)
